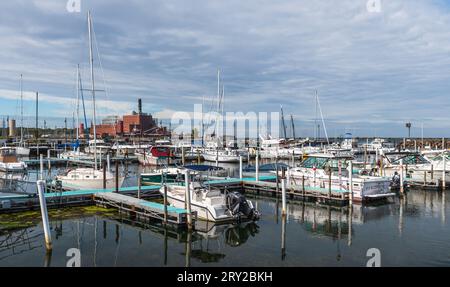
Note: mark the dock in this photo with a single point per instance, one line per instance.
(142, 209)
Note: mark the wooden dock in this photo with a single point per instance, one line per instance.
(142, 209)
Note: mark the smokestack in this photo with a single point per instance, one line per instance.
(12, 127)
(140, 106)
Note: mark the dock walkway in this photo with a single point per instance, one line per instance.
(141, 208)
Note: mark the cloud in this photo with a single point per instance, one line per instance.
(370, 69)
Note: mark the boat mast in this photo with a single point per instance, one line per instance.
(293, 127)
(216, 130)
(21, 110)
(78, 102)
(282, 121)
(91, 62)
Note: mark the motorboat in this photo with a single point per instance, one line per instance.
(9, 161)
(317, 170)
(210, 204)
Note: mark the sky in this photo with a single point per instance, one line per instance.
(373, 70)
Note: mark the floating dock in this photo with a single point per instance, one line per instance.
(142, 209)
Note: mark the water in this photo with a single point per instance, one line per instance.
(410, 232)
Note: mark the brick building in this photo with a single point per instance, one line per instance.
(136, 123)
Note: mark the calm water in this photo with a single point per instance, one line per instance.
(409, 232)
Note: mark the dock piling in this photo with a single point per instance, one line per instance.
(257, 166)
(49, 163)
(139, 188)
(283, 192)
(104, 175)
(444, 162)
(165, 203)
(188, 200)
(350, 182)
(240, 167)
(44, 214)
(117, 176)
(41, 161)
(401, 178)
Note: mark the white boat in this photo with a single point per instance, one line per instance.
(417, 168)
(211, 204)
(75, 154)
(9, 161)
(87, 178)
(316, 172)
(121, 148)
(156, 155)
(224, 155)
(97, 146)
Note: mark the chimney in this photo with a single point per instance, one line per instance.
(140, 106)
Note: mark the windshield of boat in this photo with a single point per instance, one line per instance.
(322, 162)
(411, 159)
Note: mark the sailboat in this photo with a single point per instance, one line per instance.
(82, 178)
(21, 150)
(213, 152)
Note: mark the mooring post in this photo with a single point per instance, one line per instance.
(293, 159)
(188, 200)
(350, 181)
(283, 192)
(108, 162)
(41, 161)
(432, 173)
(257, 166)
(303, 186)
(139, 187)
(217, 156)
(444, 162)
(278, 177)
(283, 237)
(104, 175)
(425, 178)
(401, 178)
(117, 176)
(49, 163)
(240, 167)
(165, 203)
(183, 161)
(198, 156)
(329, 184)
(44, 214)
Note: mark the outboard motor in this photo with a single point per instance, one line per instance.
(395, 182)
(238, 204)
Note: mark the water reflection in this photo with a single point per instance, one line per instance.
(310, 234)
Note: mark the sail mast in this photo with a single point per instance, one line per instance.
(78, 102)
(21, 110)
(91, 62)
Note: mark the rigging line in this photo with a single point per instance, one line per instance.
(100, 62)
(323, 121)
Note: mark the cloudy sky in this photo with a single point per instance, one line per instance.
(373, 71)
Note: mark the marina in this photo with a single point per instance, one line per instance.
(224, 135)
